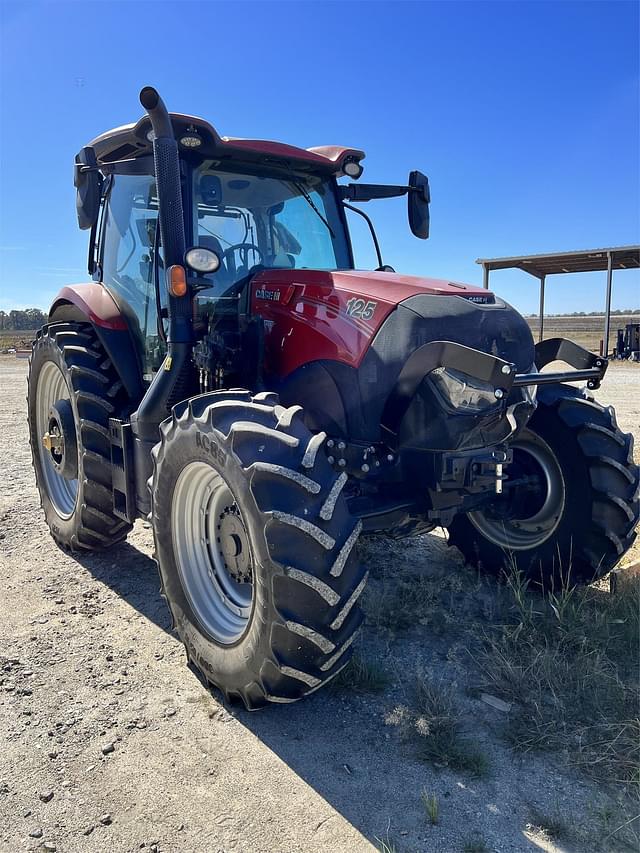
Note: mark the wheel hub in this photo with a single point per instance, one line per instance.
(60, 439)
(232, 541)
(526, 515)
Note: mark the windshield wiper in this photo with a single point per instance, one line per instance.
(305, 194)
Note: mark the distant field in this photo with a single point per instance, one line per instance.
(11, 338)
(586, 331)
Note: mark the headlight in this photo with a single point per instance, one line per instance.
(462, 392)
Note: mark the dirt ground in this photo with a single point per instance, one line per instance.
(109, 743)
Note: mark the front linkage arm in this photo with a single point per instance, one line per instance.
(588, 365)
(489, 369)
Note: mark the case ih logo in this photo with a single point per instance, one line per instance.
(483, 300)
(271, 295)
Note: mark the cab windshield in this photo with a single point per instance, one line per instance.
(259, 221)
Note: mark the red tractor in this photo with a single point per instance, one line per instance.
(230, 376)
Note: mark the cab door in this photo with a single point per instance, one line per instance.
(130, 253)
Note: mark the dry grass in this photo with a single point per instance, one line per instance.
(475, 844)
(387, 844)
(568, 661)
(433, 725)
(395, 603)
(554, 825)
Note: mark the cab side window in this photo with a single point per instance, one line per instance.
(129, 253)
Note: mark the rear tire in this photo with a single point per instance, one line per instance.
(68, 363)
(600, 507)
(228, 455)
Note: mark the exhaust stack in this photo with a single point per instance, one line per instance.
(172, 382)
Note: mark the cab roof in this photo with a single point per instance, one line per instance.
(130, 141)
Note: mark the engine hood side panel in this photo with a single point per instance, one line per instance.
(313, 315)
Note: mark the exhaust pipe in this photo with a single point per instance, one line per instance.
(172, 382)
(167, 169)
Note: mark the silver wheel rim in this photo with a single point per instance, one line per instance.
(52, 387)
(519, 534)
(204, 520)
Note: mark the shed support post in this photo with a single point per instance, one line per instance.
(607, 315)
(485, 276)
(541, 331)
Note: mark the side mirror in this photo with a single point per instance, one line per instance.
(418, 202)
(87, 179)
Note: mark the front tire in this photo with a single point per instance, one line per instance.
(582, 525)
(255, 547)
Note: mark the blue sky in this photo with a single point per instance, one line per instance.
(524, 115)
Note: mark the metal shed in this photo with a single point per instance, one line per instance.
(556, 263)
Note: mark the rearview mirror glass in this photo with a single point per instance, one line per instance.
(418, 201)
(87, 180)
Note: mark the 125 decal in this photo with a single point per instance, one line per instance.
(359, 308)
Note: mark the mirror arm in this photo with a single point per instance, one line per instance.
(371, 228)
(367, 192)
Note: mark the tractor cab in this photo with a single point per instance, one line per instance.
(256, 205)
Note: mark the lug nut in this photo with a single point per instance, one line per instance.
(499, 393)
(365, 468)
(389, 457)
(330, 443)
(342, 462)
(341, 445)
(506, 368)
(330, 460)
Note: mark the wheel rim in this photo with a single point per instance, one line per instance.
(524, 518)
(212, 552)
(52, 387)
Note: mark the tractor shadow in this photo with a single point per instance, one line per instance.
(335, 741)
(133, 576)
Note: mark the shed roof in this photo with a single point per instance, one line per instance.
(584, 260)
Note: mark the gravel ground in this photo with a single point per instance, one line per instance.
(109, 742)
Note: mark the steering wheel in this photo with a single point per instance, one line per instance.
(243, 250)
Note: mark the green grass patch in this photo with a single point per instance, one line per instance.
(361, 675)
(431, 807)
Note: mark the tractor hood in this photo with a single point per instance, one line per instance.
(396, 287)
(386, 287)
(313, 315)
(336, 343)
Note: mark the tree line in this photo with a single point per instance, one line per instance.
(27, 319)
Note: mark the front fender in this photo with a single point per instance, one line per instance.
(93, 303)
